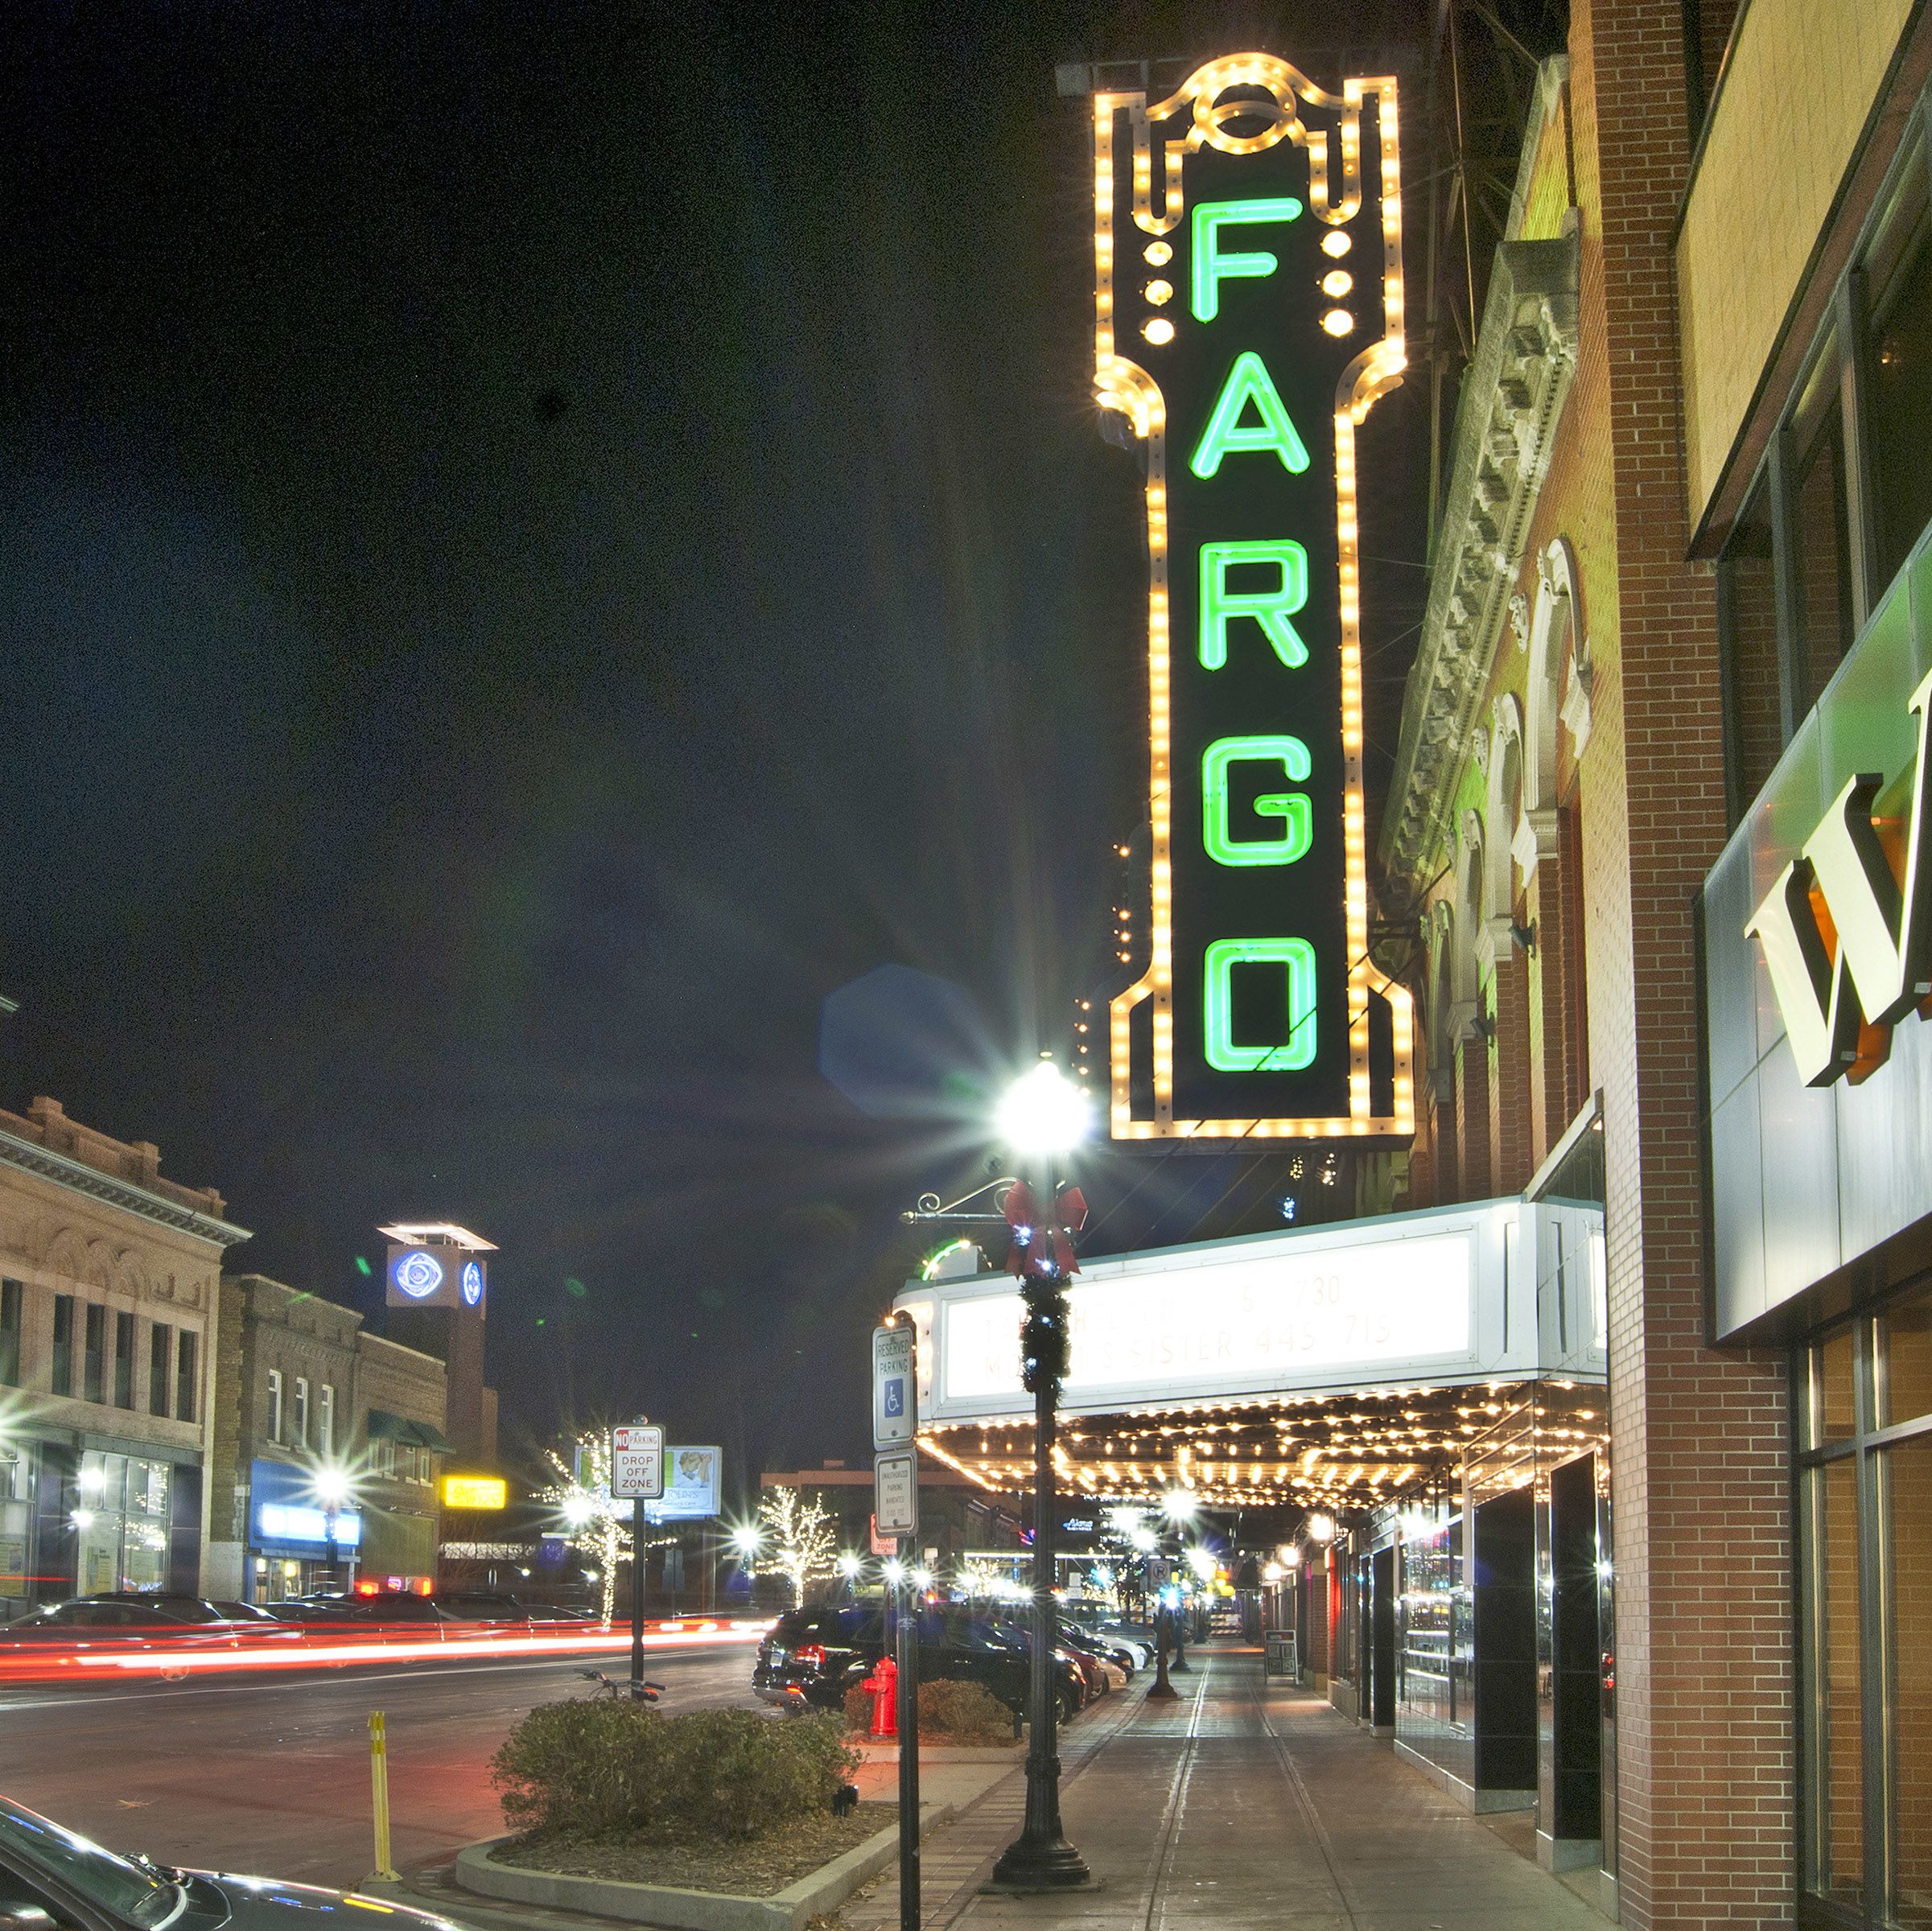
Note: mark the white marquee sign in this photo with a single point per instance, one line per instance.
(1503, 1289)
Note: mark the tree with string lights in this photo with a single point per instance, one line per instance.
(799, 1533)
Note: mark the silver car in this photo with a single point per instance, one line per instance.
(54, 1879)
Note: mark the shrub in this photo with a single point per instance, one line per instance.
(586, 1764)
(962, 1713)
(592, 1765)
(950, 1712)
(858, 1712)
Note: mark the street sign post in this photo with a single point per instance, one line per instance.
(896, 1513)
(896, 1492)
(894, 1389)
(638, 1461)
(637, 1472)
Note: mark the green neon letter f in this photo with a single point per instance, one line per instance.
(1211, 267)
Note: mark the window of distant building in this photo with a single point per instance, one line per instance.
(10, 1299)
(64, 1344)
(124, 1360)
(301, 1428)
(160, 1345)
(187, 1406)
(93, 1383)
(325, 1419)
(274, 1404)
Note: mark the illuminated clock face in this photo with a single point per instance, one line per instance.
(472, 1284)
(418, 1275)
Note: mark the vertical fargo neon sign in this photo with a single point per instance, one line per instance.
(1248, 316)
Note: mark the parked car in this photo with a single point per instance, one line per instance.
(810, 1657)
(117, 1615)
(50, 1876)
(1126, 1658)
(1093, 1677)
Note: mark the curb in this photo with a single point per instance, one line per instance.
(825, 1889)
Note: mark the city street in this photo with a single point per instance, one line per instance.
(272, 1778)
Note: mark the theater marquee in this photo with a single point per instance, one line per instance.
(1248, 304)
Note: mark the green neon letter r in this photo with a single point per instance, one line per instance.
(1249, 381)
(1271, 609)
(1211, 267)
(1290, 807)
(1217, 1005)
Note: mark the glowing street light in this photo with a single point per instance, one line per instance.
(1321, 1528)
(849, 1566)
(747, 1541)
(1180, 1505)
(1043, 1111)
(1145, 1540)
(895, 1571)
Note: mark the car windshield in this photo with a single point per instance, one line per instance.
(141, 1897)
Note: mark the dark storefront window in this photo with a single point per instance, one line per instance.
(184, 1379)
(124, 1360)
(1864, 1498)
(1817, 522)
(160, 1342)
(1754, 715)
(1899, 409)
(10, 1334)
(94, 1361)
(64, 1344)
(1844, 495)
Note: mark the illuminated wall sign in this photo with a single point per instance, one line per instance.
(434, 1277)
(1249, 306)
(282, 1522)
(475, 1492)
(1845, 978)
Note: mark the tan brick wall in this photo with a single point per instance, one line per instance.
(1701, 1545)
(1803, 76)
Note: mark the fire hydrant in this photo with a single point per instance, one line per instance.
(883, 1683)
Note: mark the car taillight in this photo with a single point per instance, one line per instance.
(811, 1655)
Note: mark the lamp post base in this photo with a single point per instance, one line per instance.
(1028, 1865)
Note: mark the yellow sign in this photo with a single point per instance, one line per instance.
(475, 1492)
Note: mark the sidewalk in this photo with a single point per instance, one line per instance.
(1246, 1803)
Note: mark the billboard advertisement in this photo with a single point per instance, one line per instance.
(691, 1478)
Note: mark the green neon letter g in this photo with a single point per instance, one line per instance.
(1294, 1052)
(1290, 807)
(1248, 382)
(1211, 267)
(1271, 609)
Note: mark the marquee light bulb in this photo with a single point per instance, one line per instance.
(1160, 331)
(1338, 321)
(1336, 243)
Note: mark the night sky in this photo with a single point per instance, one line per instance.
(540, 544)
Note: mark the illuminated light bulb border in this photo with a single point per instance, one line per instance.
(1122, 385)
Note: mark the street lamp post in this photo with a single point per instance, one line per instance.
(1043, 1115)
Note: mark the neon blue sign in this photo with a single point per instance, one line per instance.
(472, 1284)
(418, 1274)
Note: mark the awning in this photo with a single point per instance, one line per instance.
(384, 1427)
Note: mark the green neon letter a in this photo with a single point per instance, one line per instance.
(1297, 1049)
(1271, 609)
(1290, 807)
(1211, 267)
(1249, 381)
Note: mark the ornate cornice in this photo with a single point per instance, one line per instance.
(78, 1177)
(1512, 396)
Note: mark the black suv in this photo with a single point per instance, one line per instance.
(812, 1657)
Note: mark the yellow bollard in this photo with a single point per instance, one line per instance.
(379, 1789)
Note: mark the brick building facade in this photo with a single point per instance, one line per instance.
(1677, 528)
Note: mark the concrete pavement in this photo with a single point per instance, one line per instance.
(1246, 1803)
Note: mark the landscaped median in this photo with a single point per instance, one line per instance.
(716, 1820)
(482, 1868)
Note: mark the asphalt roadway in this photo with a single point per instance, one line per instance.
(270, 1776)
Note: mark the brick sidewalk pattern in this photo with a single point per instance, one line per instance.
(1249, 1803)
